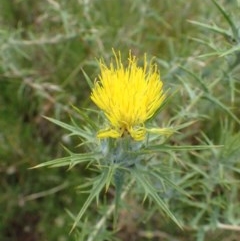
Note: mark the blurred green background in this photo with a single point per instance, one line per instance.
(45, 45)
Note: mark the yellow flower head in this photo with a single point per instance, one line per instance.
(128, 97)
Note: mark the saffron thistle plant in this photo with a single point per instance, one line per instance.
(123, 146)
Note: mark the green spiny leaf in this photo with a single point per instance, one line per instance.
(152, 194)
(104, 178)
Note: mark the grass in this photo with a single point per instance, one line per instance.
(45, 45)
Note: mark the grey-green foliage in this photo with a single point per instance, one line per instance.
(44, 46)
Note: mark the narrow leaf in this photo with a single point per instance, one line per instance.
(222, 106)
(152, 193)
(99, 184)
(74, 130)
(89, 81)
(212, 28)
(226, 16)
(71, 160)
(162, 148)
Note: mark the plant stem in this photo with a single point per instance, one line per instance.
(101, 222)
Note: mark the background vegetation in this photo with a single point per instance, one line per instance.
(45, 45)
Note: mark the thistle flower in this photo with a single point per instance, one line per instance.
(128, 97)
